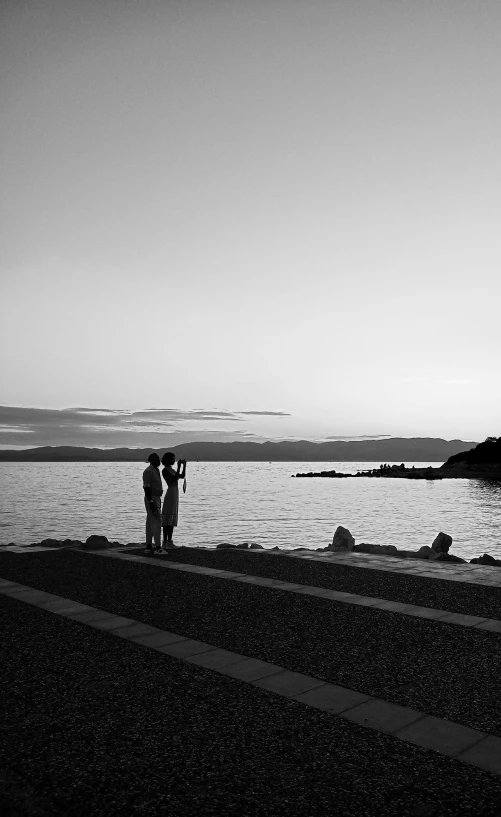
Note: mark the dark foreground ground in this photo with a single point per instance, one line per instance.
(441, 594)
(94, 725)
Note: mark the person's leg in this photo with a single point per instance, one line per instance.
(157, 536)
(149, 532)
(172, 519)
(165, 518)
(167, 536)
(156, 523)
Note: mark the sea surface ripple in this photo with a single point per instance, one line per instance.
(258, 502)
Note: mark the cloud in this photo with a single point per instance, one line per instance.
(190, 414)
(267, 413)
(355, 437)
(104, 427)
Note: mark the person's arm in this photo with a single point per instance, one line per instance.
(181, 464)
(180, 474)
(149, 498)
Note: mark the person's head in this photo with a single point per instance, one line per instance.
(168, 458)
(154, 459)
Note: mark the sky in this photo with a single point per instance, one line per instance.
(265, 219)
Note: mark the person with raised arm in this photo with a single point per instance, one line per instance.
(170, 510)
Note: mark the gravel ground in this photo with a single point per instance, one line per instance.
(94, 726)
(441, 594)
(444, 670)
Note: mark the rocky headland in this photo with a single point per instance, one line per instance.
(384, 471)
(481, 462)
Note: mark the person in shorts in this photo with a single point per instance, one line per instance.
(153, 490)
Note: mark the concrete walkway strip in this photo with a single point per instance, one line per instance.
(454, 740)
(460, 619)
(488, 575)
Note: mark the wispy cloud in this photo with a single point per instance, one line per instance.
(355, 437)
(266, 413)
(103, 427)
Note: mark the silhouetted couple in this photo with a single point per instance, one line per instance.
(158, 516)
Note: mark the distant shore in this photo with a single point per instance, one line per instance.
(392, 449)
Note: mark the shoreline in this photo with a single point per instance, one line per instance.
(408, 473)
(426, 556)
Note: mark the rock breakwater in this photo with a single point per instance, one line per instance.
(342, 542)
(438, 551)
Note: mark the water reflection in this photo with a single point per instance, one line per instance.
(486, 495)
(490, 489)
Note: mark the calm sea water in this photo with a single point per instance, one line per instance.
(250, 502)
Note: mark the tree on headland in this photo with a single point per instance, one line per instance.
(487, 452)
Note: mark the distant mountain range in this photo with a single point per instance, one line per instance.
(401, 449)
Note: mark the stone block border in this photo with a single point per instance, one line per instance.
(459, 619)
(454, 740)
(487, 575)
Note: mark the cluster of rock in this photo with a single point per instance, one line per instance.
(93, 542)
(332, 473)
(343, 541)
(243, 546)
(384, 471)
(486, 559)
(426, 473)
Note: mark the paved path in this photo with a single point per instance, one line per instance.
(454, 740)
(461, 619)
(454, 572)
